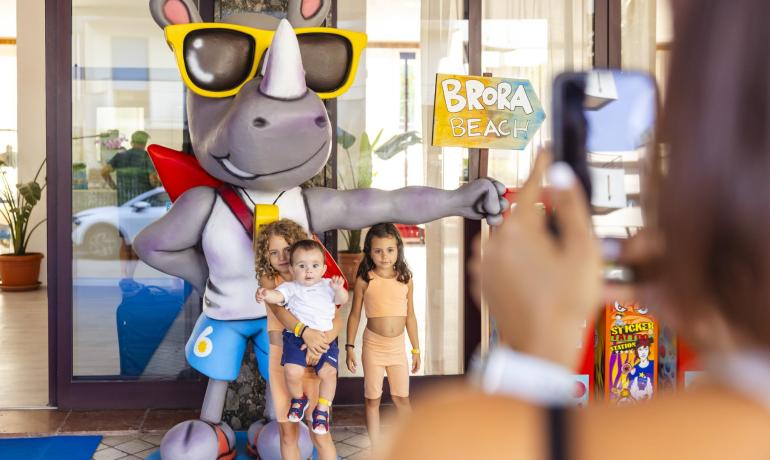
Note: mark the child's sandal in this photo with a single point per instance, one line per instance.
(296, 414)
(320, 425)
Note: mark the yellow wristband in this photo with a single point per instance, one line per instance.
(297, 328)
(415, 351)
(324, 401)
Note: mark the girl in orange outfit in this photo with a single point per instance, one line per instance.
(272, 264)
(384, 287)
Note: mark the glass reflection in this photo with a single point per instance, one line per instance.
(129, 320)
(382, 124)
(225, 8)
(620, 115)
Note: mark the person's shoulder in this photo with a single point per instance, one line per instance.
(457, 420)
(267, 282)
(701, 420)
(117, 158)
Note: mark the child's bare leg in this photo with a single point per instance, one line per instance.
(328, 375)
(402, 405)
(289, 434)
(293, 374)
(373, 419)
(324, 446)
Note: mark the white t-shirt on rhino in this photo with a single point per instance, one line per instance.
(312, 305)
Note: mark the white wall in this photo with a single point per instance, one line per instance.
(30, 52)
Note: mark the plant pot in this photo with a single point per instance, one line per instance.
(349, 265)
(20, 273)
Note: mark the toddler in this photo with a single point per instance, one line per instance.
(311, 299)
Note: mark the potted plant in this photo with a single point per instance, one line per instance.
(20, 270)
(360, 176)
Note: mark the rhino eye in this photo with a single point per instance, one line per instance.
(320, 121)
(327, 60)
(218, 59)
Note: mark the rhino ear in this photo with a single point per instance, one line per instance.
(308, 13)
(168, 12)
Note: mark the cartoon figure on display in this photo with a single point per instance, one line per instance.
(259, 131)
(642, 374)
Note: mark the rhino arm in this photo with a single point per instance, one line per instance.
(171, 244)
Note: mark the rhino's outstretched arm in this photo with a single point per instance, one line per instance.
(170, 244)
(352, 209)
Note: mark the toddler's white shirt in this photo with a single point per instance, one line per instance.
(312, 305)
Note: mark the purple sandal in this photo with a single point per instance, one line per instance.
(296, 414)
(320, 425)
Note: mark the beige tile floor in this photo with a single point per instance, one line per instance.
(352, 443)
(137, 433)
(24, 349)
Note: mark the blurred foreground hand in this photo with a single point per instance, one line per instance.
(540, 288)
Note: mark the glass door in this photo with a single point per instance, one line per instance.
(120, 326)
(392, 101)
(532, 40)
(129, 320)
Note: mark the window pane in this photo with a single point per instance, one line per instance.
(646, 37)
(393, 96)
(129, 320)
(225, 8)
(533, 40)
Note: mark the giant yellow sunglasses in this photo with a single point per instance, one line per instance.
(217, 59)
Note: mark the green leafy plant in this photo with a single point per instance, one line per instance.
(360, 166)
(17, 210)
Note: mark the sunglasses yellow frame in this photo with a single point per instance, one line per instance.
(176, 34)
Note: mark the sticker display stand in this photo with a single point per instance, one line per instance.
(631, 354)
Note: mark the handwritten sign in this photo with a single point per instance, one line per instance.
(485, 112)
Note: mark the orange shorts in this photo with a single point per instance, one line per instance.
(278, 390)
(381, 355)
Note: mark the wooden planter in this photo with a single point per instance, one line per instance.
(349, 265)
(20, 273)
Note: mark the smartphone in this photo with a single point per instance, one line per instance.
(603, 128)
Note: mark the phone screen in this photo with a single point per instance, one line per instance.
(604, 129)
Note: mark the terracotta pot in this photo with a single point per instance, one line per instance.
(349, 265)
(20, 273)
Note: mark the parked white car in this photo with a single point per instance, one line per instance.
(100, 231)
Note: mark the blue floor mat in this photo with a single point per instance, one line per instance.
(49, 448)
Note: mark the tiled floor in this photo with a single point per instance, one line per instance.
(352, 443)
(127, 447)
(136, 434)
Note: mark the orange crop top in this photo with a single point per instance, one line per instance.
(385, 297)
